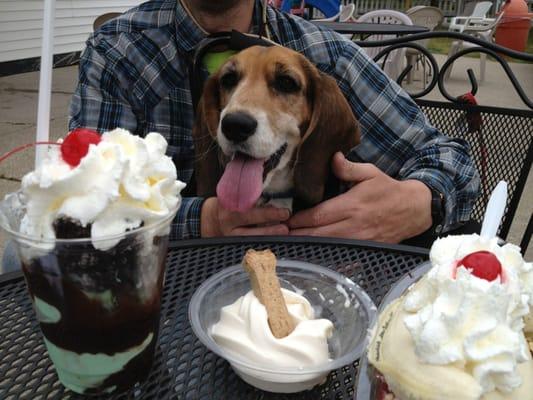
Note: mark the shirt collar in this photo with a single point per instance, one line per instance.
(190, 33)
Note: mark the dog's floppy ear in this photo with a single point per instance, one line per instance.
(332, 128)
(207, 168)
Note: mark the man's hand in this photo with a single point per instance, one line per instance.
(377, 207)
(217, 221)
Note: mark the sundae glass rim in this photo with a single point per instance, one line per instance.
(204, 336)
(15, 234)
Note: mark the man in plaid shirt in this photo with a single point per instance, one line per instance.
(134, 75)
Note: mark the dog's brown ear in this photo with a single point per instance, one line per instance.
(332, 128)
(207, 168)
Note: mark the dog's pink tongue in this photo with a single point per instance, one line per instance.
(242, 183)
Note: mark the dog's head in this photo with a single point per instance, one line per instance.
(277, 122)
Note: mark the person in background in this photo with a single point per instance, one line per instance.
(408, 180)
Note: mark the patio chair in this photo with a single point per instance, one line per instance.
(394, 63)
(504, 131)
(482, 30)
(430, 17)
(478, 16)
(345, 14)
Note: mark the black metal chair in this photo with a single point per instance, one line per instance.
(502, 142)
(503, 149)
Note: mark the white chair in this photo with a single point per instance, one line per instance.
(482, 30)
(395, 61)
(430, 17)
(479, 15)
(345, 14)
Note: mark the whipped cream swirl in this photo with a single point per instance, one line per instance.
(469, 321)
(123, 181)
(244, 331)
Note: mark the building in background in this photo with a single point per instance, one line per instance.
(21, 30)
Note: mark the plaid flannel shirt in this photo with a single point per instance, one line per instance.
(134, 75)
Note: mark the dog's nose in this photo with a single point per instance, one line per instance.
(238, 126)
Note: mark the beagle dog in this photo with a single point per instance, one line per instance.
(267, 127)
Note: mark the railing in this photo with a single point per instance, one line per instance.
(437, 74)
(449, 7)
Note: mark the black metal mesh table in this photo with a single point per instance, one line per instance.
(184, 368)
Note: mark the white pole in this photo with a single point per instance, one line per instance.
(45, 79)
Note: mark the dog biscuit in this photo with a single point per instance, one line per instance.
(261, 267)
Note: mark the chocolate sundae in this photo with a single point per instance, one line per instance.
(91, 224)
(458, 333)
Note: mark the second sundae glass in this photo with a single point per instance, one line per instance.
(96, 297)
(98, 309)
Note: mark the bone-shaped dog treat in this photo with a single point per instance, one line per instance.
(261, 267)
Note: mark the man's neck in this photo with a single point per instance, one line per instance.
(237, 17)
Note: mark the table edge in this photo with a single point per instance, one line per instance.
(204, 242)
(261, 240)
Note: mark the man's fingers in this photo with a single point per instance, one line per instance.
(328, 212)
(258, 216)
(338, 229)
(272, 230)
(349, 171)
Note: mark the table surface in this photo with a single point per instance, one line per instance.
(363, 28)
(183, 367)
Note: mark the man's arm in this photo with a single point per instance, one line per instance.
(101, 103)
(398, 139)
(401, 161)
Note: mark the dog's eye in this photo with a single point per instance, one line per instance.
(229, 80)
(286, 84)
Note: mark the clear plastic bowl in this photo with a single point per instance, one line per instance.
(368, 382)
(332, 295)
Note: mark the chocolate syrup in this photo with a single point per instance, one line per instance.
(100, 296)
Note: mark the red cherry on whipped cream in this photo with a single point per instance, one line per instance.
(76, 145)
(482, 264)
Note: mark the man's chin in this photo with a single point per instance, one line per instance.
(214, 7)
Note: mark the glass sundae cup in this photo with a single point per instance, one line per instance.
(91, 226)
(97, 300)
(98, 309)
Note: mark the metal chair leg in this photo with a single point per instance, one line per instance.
(524, 243)
(482, 66)
(454, 48)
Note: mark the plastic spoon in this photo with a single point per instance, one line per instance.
(495, 210)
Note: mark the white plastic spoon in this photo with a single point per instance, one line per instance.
(495, 210)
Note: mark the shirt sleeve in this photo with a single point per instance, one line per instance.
(100, 103)
(186, 225)
(398, 138)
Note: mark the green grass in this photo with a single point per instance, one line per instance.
(442, 46)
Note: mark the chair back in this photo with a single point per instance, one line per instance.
(385, 17)
(481, 9)
(394, 63)
(427, 16)
(347, 12)
(502, 149)
(430, 17)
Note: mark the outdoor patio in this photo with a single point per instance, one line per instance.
(18, 111)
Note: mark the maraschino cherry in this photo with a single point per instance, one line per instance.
(482, 264)
(76, 145)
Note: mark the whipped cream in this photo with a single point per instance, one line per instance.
(470, 322)
(244, 331)
(123, 181)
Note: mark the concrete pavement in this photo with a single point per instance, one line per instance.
(18, 113)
